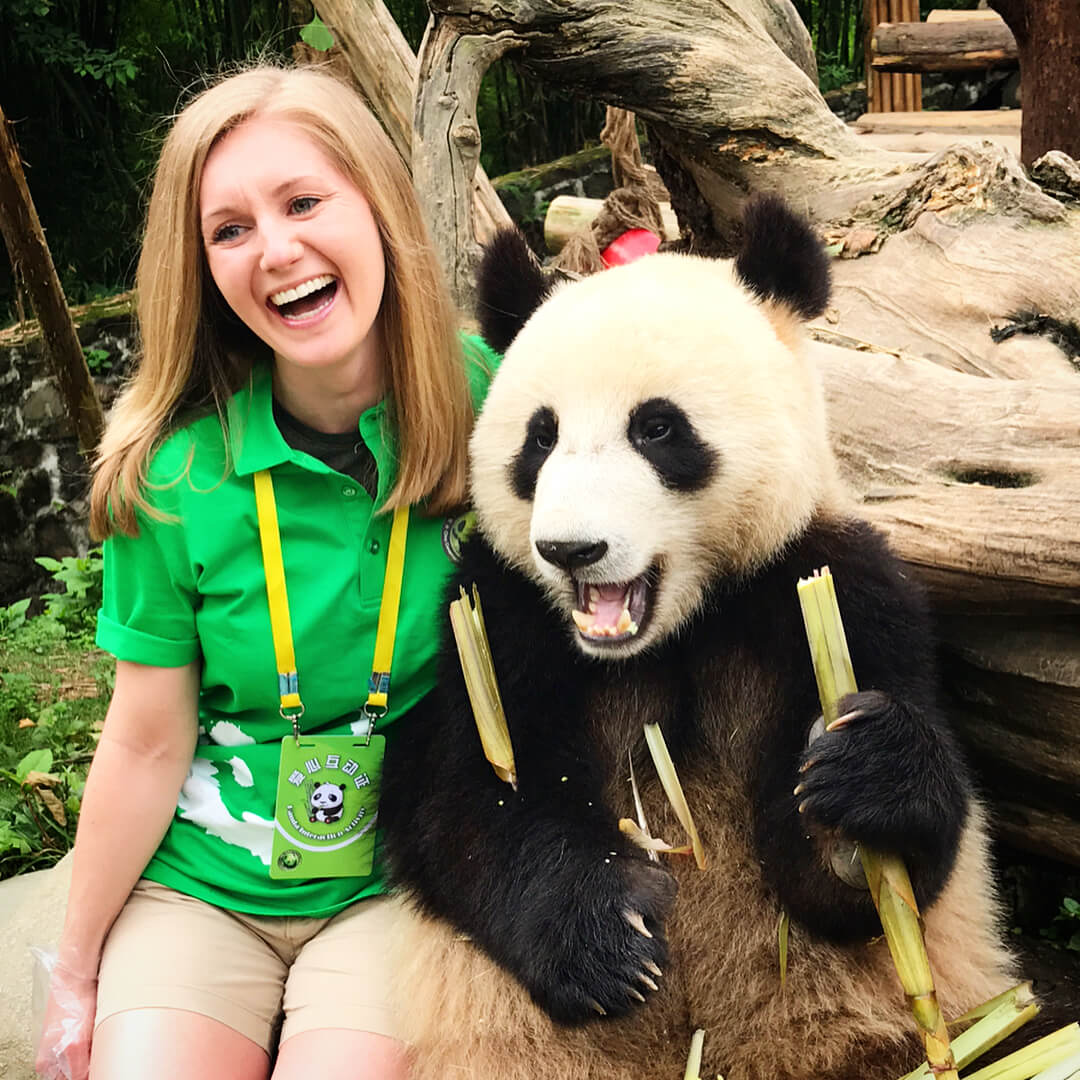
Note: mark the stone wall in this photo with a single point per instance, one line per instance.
(43, 477)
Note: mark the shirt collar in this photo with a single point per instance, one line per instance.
(256, 443)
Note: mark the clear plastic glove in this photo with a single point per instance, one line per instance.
(64, 1006)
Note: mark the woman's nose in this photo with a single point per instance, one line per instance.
(280, 245)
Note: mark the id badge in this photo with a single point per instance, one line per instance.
(326, 807)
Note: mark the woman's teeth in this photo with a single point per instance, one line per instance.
(305, 288)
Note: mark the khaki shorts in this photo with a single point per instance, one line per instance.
(254, 973)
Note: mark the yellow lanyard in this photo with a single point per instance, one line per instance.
(292, 708)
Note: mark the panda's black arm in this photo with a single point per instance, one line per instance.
(540, 877)
(893, 778)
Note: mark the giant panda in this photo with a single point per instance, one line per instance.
(651, 475)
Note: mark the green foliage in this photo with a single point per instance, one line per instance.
(834, 72)
(317, 35)
(1064, 930)
(53, 696)
(13, 616)
(81, 576)
(98, 360)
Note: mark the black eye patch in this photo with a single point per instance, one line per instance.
(541, 435)
(664, 436)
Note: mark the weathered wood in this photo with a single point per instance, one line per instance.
(954, 46)
(973, 479)
(384, 68)
(570, 214)
(446, 140)
(725, 89)
(1048, 38)
(1013, 689)
(960, 121)
(943, 15)
(29, 252)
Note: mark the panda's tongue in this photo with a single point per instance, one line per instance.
(610, 601)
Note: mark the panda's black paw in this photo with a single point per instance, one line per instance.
(608, 954)
(884, 776)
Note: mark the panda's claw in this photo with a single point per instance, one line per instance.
(635, 919)
(654, 968)
(843, 721)
(597, 1007)
(637, 995)
(650, 983)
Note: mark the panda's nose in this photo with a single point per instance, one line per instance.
(571, 554)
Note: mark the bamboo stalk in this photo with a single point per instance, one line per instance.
(1043, 1054)
(890, 886)
(669, 778)
(1069, 1069)
(693, 1060)
(474, 652)
(995, 1020)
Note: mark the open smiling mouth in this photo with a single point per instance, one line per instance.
(607, 614)
(306, 300)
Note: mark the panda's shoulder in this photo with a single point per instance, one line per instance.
(874, 588)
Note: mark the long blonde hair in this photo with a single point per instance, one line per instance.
(196, 353)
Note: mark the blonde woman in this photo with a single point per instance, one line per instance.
(226, 885)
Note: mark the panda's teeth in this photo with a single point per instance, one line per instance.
(582, 621)
(625, 623)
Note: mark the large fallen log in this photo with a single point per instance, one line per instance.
(976, 483)
(978, 45)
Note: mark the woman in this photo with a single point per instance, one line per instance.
(295, 335)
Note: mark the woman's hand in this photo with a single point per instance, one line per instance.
(64, 1050)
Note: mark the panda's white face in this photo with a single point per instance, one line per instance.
(647, 432)
(327, 797)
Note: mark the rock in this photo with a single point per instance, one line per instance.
(31, 914)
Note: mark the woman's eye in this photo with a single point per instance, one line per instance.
(304, 204)
(224, 233)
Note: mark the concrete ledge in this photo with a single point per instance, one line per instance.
(31, 913)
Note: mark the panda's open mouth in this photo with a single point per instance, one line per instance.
(609, 613)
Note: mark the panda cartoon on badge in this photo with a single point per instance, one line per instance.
(651, 475)
(327, 803)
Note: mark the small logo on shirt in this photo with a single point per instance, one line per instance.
(455, 531)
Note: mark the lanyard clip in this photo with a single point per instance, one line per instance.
(293, 714)
(372, 714)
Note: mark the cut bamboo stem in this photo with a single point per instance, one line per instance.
(1031, 1060)
(693, 1060)
(995, 1020)
(474, 652)
(890, 886)
(669, 778)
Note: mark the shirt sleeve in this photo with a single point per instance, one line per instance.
(149, 599)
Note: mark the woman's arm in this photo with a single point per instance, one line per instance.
(144, 754)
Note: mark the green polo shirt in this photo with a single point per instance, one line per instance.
(194, 589)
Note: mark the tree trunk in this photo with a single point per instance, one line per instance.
(29, 252)
(951, 46)
(385, 70)
(1047, 35)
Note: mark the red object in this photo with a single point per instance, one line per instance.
(630, 246)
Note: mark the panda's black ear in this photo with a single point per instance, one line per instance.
(781, 258)
(510, 286)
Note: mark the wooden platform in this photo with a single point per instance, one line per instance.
(961, 122)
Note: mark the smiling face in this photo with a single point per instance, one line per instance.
(647, 432)
(293, 247)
